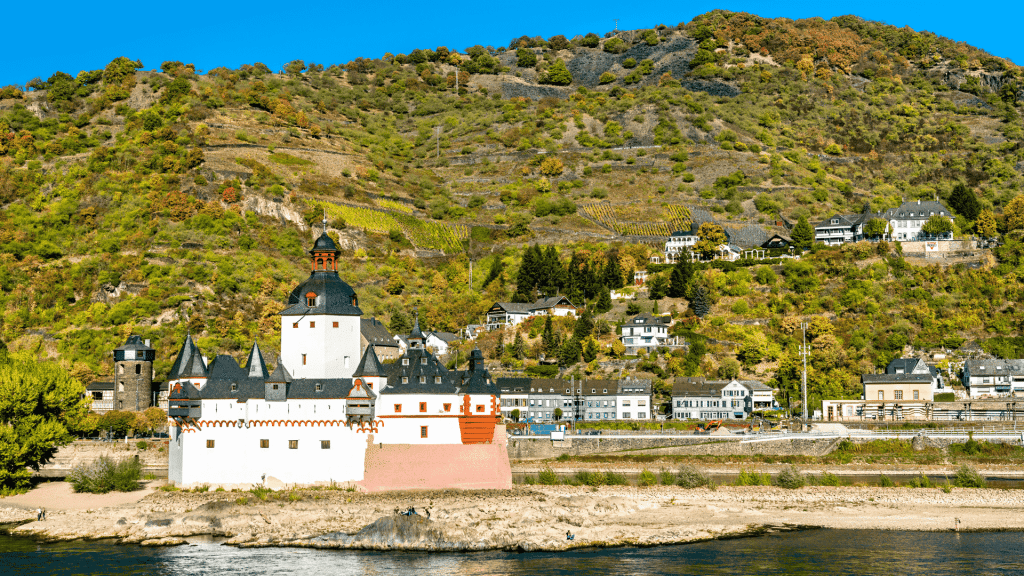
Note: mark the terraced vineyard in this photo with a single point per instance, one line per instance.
(638, 220)
(430, 235)
(396, 206)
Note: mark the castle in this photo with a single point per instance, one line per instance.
(330, 411)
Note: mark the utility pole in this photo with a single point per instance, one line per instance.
(437, 131)
(456, 80)
(804, 352)
(616, 24)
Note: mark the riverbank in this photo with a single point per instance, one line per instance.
(523, 518)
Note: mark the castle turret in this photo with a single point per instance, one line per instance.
(133, 374)
(320, 327)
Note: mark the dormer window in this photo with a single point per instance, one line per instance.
(437, 379)
(234, 387)
(405, 379)
(319, 387)
(835, 220)
(423, 379)
(405, 361)
(311, 299)
(423, 361)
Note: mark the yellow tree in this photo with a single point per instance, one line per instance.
(1014, 213)
(711, 237)
(986, 224)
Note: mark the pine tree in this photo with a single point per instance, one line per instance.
(519, 347)
(657, 286)
(679, 282)
(499, 348)
(604, 301)
(803, 234)
(526, 278)
(963, 201)
(557, 74)
(547, 339)
(701, 301)
(612, 274)
(590, 350)
(584, 326)
(497, 267)
(399, 323)
(569, 352)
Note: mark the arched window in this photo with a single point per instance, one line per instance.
(319, 263)
(355, 301)
(311, 299)
(138, 368)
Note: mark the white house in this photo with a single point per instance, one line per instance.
(698, 398)
(679, 244)
(907, 221)
(645, 332)
(410, 424)
(633, 401)
(840, 228)
(986, 378)
(512, 313)
(917, 366)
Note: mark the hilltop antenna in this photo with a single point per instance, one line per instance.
(325, 219)
(616, 20)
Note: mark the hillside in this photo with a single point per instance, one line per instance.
(166, 200)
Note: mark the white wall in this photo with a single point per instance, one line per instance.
(634, 407)
(330, 352)
(404, 427)
(237, 458)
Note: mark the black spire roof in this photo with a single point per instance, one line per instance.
(134, 342)
(255, 365)
(369, 365)
(324, 244)
(280, 374)
(416, 333)
(189, 363)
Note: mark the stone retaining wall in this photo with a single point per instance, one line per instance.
(154, 460)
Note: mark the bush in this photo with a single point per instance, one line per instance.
(967, 477)
(667, 477)
(590, 478)
(827, 479)
(105, 475)
(751, 478)
(885, 482)
(790, 478)
(921, 481)
(547, 477)
(692, 477)
(614, 479)
(647, 478)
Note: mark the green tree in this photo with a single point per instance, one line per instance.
(591, 40)
(117, 422)
(60, 87)
(963, 201)
(119, 78)
(400, 323)
(803, 234)
(558, 414)
(40, 404)
(515, 415)
(875, 228)
(547, 338)
(606, 78)
(526, 58)
(519, 347)
(986, 224)
(657, 287)
(937, 225)
(569, 352)
(604, 301)
(590, 350)
(584, 326)
(1014, 213)
(701, 301)
(558, 74)
(612, 275)
(679, 282)
(295, 67)
(711, 237)
(729, 369)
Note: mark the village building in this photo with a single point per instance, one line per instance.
(372, 332)
(646, 332)
(701, 399)
(133, 387)
(993, 378)
(503, 314)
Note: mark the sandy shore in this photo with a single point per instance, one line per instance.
(526, 518)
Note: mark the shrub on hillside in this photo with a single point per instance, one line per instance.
(967, 477)
(692, 477)
(790, 478)
(105, 475)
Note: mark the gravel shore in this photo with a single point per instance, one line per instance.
(523, 518)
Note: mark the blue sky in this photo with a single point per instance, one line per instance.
(82, 36)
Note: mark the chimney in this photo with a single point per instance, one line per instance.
(147, 343)
(918, 201)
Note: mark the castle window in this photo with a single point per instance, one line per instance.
(405, 379)
(355, 301)
(138, 368)
(423, 379)
(325, 444)
(423, 406)
(447, 407)
(265, 443)
(423, 361)
(120, 386)
(319, 387)
(275, 387)
(303, 359)
(398, 408)
(97, 395)
(437, 379)
(479, 407)
(423, 431)
(234, 387)
(312, 324)
(405, 361)
(335, 325)
(293, 444)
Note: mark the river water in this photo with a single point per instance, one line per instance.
(812, 552)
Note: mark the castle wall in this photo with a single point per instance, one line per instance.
(434, 467)
(330, 352)
(237, 458)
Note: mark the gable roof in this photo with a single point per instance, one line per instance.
(994, 367)
(895, 378)
(647, 319)
(915, 210)
(849, 220)
(376, 333)
(749, 236)
(134, 342)
(904, 366)
(697, 386)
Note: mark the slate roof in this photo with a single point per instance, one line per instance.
(903, 365)
(99, 386)
(369, 365)
(750, 236)
(634, 386)
(994, 367)
(513, 385)
(448, 337)
(376, 333)
(847, 220)
(647, 319)
(526, 307)
(755, 385)
(477, 380)
(189, 363)
(896, 378)
(280, 374)
(255, 365)
(324, 244)
(134, 342)
(598, 387)
(916, 210)
(697, 386)
(414, 369)
(333, 296)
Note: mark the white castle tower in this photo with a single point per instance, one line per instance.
(320, 326)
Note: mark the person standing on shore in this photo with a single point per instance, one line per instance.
(39, 514)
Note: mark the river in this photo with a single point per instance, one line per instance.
(807, 552)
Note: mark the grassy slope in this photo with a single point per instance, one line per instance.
(99, 191)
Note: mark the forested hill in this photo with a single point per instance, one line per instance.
(154, 201)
